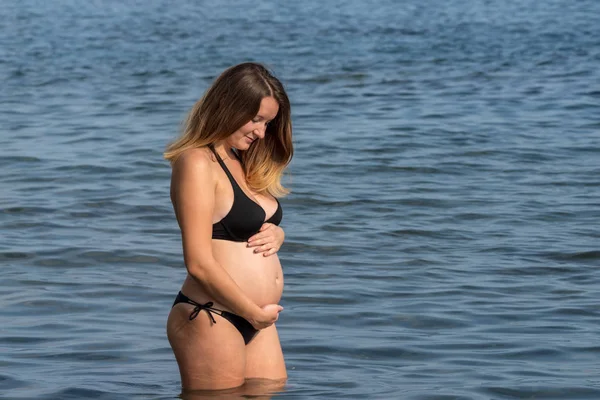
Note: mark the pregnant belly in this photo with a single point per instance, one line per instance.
(259, 277)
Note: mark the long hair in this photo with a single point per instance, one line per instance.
(231, 101)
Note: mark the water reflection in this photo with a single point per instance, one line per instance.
(254, 388)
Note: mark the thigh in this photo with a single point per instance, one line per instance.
(210, 356)
(264, 358)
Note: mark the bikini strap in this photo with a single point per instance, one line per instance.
(222, 164)
(237, 155)
(208, 307)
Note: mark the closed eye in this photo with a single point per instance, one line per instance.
(257, 120)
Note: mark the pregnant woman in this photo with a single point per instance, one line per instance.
(226, 177)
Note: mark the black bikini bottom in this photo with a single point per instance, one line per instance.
(243, 326)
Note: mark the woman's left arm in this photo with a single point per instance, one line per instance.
(268, 240)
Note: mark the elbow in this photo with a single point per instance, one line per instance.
(198, 270)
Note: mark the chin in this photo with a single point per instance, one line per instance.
(244, 145)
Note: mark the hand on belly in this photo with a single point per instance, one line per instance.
(261, 278)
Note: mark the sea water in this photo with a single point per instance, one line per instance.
(442, 235)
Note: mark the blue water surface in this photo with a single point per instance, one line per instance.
(442, 235)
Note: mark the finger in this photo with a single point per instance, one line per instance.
(262, 248)
(258, 236)
(255, 239)
(270, 252)
(260, 242)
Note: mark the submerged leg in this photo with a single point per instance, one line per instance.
(211, 356)
(264, 357)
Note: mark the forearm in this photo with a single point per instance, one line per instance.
(219, 285)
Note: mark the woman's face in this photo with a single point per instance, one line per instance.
(256, 127)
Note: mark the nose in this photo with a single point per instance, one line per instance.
(260, 132)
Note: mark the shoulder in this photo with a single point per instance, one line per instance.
(194, 168)
(194, 161)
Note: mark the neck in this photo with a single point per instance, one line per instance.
(223, 150)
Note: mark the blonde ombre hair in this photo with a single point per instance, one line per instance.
(232, 100)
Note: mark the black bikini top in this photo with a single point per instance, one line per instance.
(245, 217)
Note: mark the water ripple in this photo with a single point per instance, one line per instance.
(441, 232)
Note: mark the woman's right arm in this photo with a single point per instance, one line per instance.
(193, 187)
